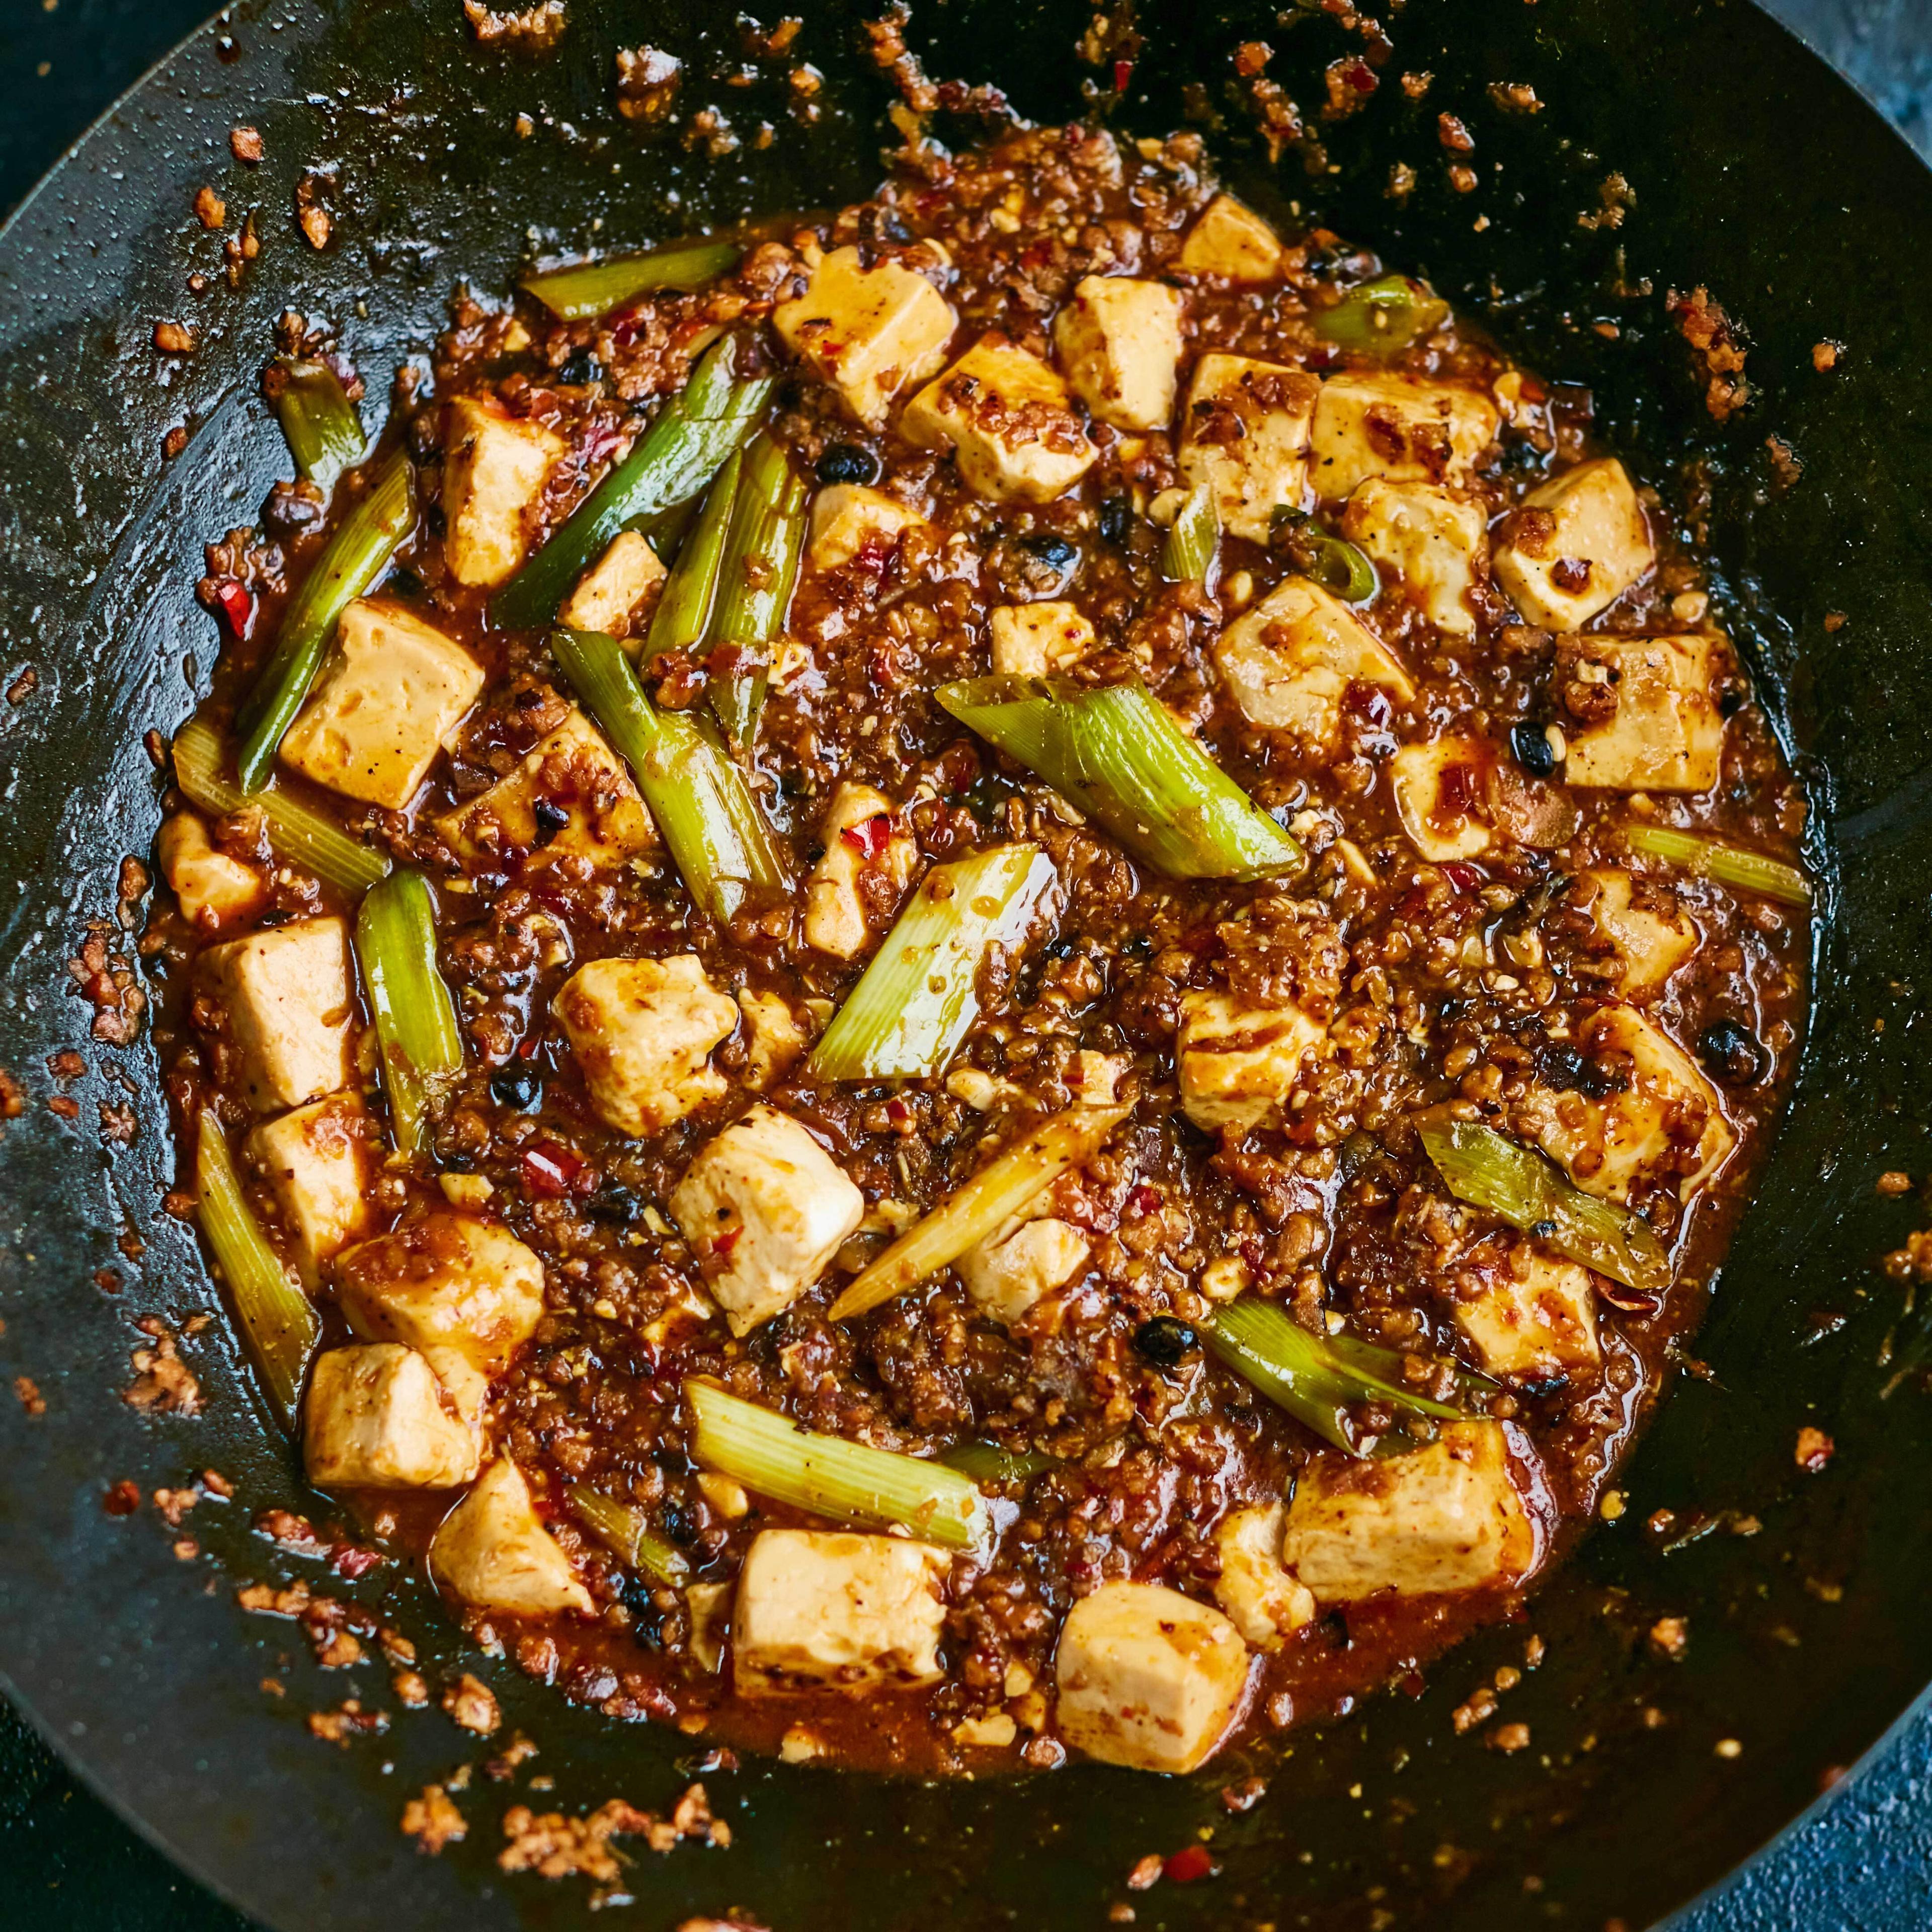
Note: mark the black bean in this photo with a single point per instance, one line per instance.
(1730, 703)
(551, 818)
(1165, 1340)
(611, 1203)
(1730, 1052)
(518, 1087)
(1117, 519)
(1533, 751)
(847, 462)
(582, 367)
(677, 1524)
(1056, 552)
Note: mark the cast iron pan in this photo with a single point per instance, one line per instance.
(1753, 173)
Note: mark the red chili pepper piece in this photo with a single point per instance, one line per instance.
(1189, 1863)
(549, 1169)
(1464, 878)
(1123, 72)
(870, 836)
(725, 1242)
(1144, 1199)
(237, 606)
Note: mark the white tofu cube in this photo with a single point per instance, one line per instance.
(1267, 1604)
(764, 1207)
(823, 1610)
(1642, 716)
(1436, 788)
(849, 520)
(494, 467)
(285, 993)
(1576, 545)
(575, 774)
(1231, 243)
(1038, 640)
(1119, 341)
(614, 586)
(1435, 540)
(1244, 434)
(1148, 1678)
(444, 1281)
(1004, 413)
(1397, 427)
(871, 332)
(214, 889)
(1289, 661)
(1667, 1123)
(374, 1418)
(1649, 934)
(493, 1551)
(391, 699)
(1445, 1517)
(1239, 1064)
(316, 1161)
(641, 1029)
(1020, 1263)
(1533, 1318)
(862, 874)
(774, 1038)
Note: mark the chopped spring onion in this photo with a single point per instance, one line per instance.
(830, 1476)
(989, 1462)
(909, 1012)
(584, 290)
(1330, 561)
(1317, 1378)
(350, 564)
(701, 801)
(683, 614)
(416, 1018)
(626, 1530)
(323, 431)
(1729, 864)
(755, 580)
(302, 837)
(1187, 551)
(685, 447)
(1387, 313)
(277, 1318)
(1489, 1170)
(998, 1191)
(1116, 752)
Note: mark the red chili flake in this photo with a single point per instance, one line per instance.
(725, 1242)
(1123, 72)
(1456, 789)
(549, 1169)
(1189, 1863)
(897, 1112)
(1369, 704)
(1815, 1449)
(123, 1499)
(1361, 76)
(352, 1560)
(1464, 878)
(870, 836)
(599, 442)
(1144, 1199)
(237, 606)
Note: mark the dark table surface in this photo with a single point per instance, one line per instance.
(1863, 1864)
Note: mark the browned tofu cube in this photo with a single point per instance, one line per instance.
(1649, 934)
(1267, 1604)
(493, 474)
(493, 1551)
(1020, 1263)
(614, 586)
(1398, 428)
(1119, 341)
(1577, 543)
(1230, 243)
(1436, 788)
(642, 1030)
(1239, 1064)
(1435, 540)
(285, 993)
(1244, 434)
(317, 1161)
(849, 520)
(872, 331)
(375, 1417)
(1289, 661)
(214, 889)
(1004, 414)
(1643, 715)
(1531, 1315)
(856, 885)
(1038, 640)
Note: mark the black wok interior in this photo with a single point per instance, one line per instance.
(1754, 175)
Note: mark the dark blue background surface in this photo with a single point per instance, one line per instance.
(1863, 1864)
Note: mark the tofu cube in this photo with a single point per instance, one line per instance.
(849, 520)
(285, 993)
(1436, 788)
(1119, 341)
(1239, 1064)
(1533, 1317)
(614, 585)
(1399, 428)
(493, 1551)
(1435, 540)
(1576, 545)
(1648, 934)
(641, 1029)
(1445, 1517)
(1038, 640)
(823, 1610)
(1288, 662)
(444, 1281)
(1148, 1678)
(375, 1418)
(764, 1207)
(1020, 1263)
(214, 889)
(1004, 414)
(1645, 719)
(862, 874)
(574, 773)
(316, 1160)
(1666, 1123)
(494, 468)
(1244, 434)
(871, 332)
(1231, 243)
(774, 1038)
(390, 701)
(1267, 1604)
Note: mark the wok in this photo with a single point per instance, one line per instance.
(1751, 172)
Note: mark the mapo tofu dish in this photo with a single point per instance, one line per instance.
(975, 983)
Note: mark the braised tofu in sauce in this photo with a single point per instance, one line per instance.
(733, 1018)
